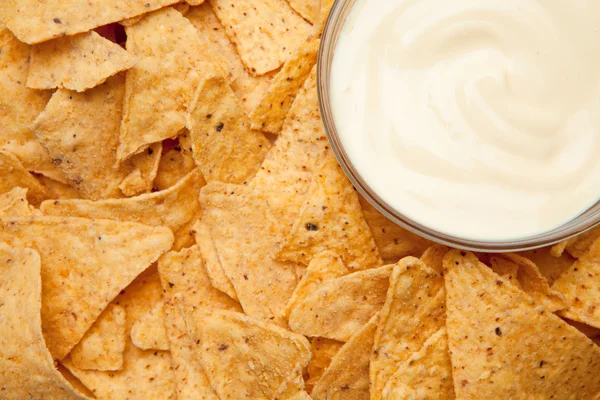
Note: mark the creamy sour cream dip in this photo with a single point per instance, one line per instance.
(478, 119)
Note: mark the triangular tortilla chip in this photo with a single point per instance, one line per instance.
(149, 332)
(503, 345)
(72, 125)
(323, 350)
(270, 113)
(224, 146)
(580, 245)
(290, 164)
(530, 280)
(174, 166)
(185, 281)
(172, 208)
(326, 265)
(265, 32)
(580, 284)
(433, 257)
(34, 22)
(103, 345)
(144, 167)
(77, 62)
(550, 267)
(247, 226)
(145, 374)
(14, 204)
(414, 310)
(508, 270)
(19, 106)
(58, 190)
(26, 367)
(309, 9)
(347, 377)
(326, 6)
(85, 264)
(393, 241)
(13, 174)
(331, 219)
(338, 308)
(217, 276)
(427, 374)
(161, 84)
(244, 357)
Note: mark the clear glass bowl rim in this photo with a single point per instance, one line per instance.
(585, 221)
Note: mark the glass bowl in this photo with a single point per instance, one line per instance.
(585, 221)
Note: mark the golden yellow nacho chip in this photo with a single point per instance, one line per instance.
(103, 345)
(580, 284)
(77, 62)
(326, 265)
(433, 257)
(530, 280)
(161, 84)
(331, 219)
(26, 367)
(172, 208)
(143, 167)
(550, 266)
(326, 6)
(13, 174)
(338, 308)
(323, 350)
(149, 332)
(58, 190)
(247, 226)
(393, 241)
(427, 374)
(244, 357)
(270, 113)
(580, 245)
(347, 377)
(85, 264)
(145, 374)
(503, 344)
(414, 310)
(309, 9)
(183, 7)
(217, 276)
(224, 146)
(265, 32)
(34, 22)
(174, 165)
(508, 270)
(14, 204)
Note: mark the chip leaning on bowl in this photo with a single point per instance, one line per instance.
(174, 225)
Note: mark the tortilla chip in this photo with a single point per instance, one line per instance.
(323, 350)
(27, 369)
(244, 357)
(508, 270)
(161, 84)
(149, 332)
(35, 22)
(247, 226)
(265, 32)
(414, 310)
(290, 164)
(102, 347)
(393, 241)
(326, 265)
(184, 276)
(71, 127)
(183, 7)
(77, 62)
(224, 146)
(58, 190)
(85, 264)
(172, 208)
(589, 331)
(144, 169)
(580, 284)
(558, 249)
(347, 377)
(269, 115)
(186, 235)
(14, 204)
(434, 257)
(145, 374)
(338, 308)
(427, 374)
(550, 267)
(580, 245)
(19, 106)
(174, 165)
(326, 6)
(331, 219)
(530, 280)
(13, 174)
(217, 276)
(502, 343)
(309, 9)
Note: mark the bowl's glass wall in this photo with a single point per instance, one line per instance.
(583, 222)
